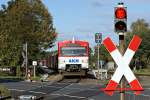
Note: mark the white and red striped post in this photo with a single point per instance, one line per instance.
(123, 65)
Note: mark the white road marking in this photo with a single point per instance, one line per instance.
(16, 90)
(26, 90)
(38, 92)
(61, 88)
(54, 86)
(69, 96)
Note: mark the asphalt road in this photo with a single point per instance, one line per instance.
(67, 91)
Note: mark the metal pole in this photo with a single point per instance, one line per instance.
(26, 59)
(34, 72)
(101, 70)
(98, 62)
(122, 50)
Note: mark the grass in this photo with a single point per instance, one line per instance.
(37, 78)
(143, 71)
(12, 77)
(19, 78)
(4, 91)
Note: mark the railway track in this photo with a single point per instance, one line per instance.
(70, 79)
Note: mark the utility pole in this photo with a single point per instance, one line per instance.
(98, 40)
(26, 64)
(98, 61)
(122, 51)
(121, 28)
(34, 75)
(101, 70)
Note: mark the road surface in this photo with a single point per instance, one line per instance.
(67, 91)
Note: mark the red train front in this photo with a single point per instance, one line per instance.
(73, 57)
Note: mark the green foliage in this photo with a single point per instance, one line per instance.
(103, 55)
(37, 78)
(24, 21)
(18, 71)
(142, 29)
(143, 71)
(91, 58)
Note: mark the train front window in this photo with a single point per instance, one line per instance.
(73, 51)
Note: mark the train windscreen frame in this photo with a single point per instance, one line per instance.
(73, 51)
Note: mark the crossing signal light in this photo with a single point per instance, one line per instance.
(120, 26)
(120, 18)
(120, 13)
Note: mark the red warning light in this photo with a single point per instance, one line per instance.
(120, 13)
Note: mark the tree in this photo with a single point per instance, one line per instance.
(24, 21)
(142, 29)
(103, 55)
(91, 58)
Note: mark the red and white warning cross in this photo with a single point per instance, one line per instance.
(123, 65)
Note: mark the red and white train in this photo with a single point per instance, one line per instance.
(73, 57)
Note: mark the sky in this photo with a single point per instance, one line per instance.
(83, 18)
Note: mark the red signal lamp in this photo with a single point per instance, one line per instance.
(120, 13)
